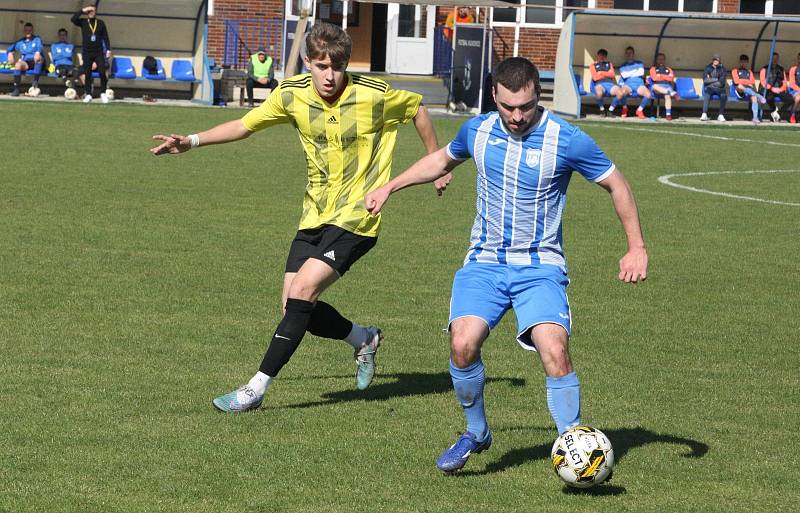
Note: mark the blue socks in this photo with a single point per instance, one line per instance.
(468, 384)
(645, 103)
(754, 108)
(37, 69)
(564, 400)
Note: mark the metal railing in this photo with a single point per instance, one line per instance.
(244, 37)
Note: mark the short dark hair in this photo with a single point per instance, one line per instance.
(776, 54)
(28, 24)
(744, 57)
(516, 73)
(326, 39)
(630, 48)
(660, 54)
(63, 30)
(602, 52)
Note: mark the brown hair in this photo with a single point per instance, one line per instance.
(329, 40)
(516, 73)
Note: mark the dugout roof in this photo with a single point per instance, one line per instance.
(688, 40)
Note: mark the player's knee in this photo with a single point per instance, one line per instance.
(303, 290)
(463, 349)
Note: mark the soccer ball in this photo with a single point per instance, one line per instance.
(582, 457)
(70, 94)
(34, 91)
(110, 94)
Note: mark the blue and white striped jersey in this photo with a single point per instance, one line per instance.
(521, 186)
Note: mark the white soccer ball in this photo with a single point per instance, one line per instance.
(70, 94)
(582, 457)
(110, 94)
(34, 91)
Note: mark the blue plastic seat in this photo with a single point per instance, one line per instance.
(159, 75)
(685, 88)
(579, 82)
(182, 70)
(7, 71)
(122, 67)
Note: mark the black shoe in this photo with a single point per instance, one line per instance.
(15, 92)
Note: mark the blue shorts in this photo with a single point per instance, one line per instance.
(537, 293)
(666, 85)
(794, 92)
(607, 87)
(634, 84)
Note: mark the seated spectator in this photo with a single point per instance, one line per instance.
(605, 81)
(260, 74)
(61, 55)
(631, 74)
(774, 86)
(714, 84)
(794, 89)
(31, 57)
(744, 82)
(457, 15)
(664, 82)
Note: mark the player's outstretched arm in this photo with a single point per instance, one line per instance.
(633, 265)
(427, 169)
(226, 132)
(427, 134)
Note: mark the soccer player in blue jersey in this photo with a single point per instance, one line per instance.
(525, 157)
(31, 57)
(631, 73)
(61, 56)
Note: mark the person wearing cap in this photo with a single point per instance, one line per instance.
(714, 85)
(260, 74)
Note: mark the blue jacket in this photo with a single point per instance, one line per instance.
(27, 47)
(62, 53)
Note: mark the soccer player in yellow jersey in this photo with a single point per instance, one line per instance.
(348, 126)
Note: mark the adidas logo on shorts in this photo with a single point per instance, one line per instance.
(330, 255)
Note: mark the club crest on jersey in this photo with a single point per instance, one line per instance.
(532, 157)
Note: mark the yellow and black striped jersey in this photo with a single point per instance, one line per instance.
(348, 144)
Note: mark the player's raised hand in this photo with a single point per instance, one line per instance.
(442, 183)
(633, 266)
(172, 143)
(375, 200)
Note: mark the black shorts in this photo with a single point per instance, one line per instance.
(31, 63)
(64, 70)
(333, 245)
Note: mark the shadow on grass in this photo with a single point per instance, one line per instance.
(596, 491)
(401, 384)
(623, 440)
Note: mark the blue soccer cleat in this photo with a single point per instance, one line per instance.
(365, 358)
(456, 456)
(240, 400)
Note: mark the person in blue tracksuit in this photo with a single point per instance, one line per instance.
(31, 57)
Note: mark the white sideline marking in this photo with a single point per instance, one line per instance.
(665, 179)
(706, 136)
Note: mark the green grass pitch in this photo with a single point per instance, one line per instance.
(134, 289)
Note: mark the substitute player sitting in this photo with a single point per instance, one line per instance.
(61, 56)
(347, 125)
(794, 89)
(525, 156)
(631, 72)
(605, 81)
(744, 85)
(664, 82)
(31, 57)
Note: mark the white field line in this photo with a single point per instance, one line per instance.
(666, 180)
(705, 136)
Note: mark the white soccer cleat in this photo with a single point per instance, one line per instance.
(775, 115)
(721, 118)
(87, 98)
(104, 98)
(704, 117)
